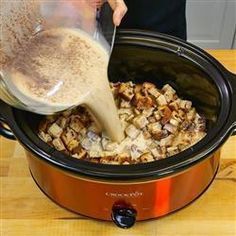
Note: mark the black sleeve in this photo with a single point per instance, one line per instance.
(165, 16)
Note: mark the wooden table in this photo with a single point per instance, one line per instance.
(26, 211)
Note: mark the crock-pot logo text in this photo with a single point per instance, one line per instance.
(126, 195)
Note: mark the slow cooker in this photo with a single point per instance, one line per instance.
(130, 193)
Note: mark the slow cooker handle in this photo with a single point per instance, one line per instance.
(4, 131)
(232, 80)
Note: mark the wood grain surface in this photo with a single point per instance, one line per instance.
(26, 211)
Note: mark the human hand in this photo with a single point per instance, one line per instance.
(118, 7)
(120, 10)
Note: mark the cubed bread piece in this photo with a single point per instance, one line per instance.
(72, 144)
(182, 114)
(151, 119)
(124, 124)
(175, 105)
(153, 144)
(68, 135)
(182, 139)
(185, 125)
(138, 88)
(147, 157)
(107, 145)
(154, 127)
(111, 146)
(171, 128)
(125, 104)
(201, 127)
(148, 112)
(197, 136)
(115, 88)
(43, 125)
(123, 117)
(157, 115)
(169, 96)
(126, 163)
(81, 153)
(67, 113)
(185, 104)
(75, 123)
(127, 111)
(45, 137)
(172, 151)
(52, 118)
(164, 110)
(94, 128)
(178, 139)
(161, 100)
(130, 117)
(132, 131)
(140, 142)
(105, 160)
(146, 134)
(174, 122)
(146, 87)
(55, 130)
(85, 117)
(104, 142)
(135, 152)
(166, 114)
(140, 121)
(142, 102)
(83, 131)
(62, 122)
(163, 150)
(191, 114)
(58, 144)
(93, 160)
(114, 163)
(154, 92)
(156, 152)
(109, 160)
(136, 111)
(160, 135)
(126, 91)
(124, 157)
(175, 115)
(93, 136)
(200, 123)
(167, 141)
(194, 128)
(95, 153)
(168, 88)
(86, 143)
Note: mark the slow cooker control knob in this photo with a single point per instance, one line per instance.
(124, 217)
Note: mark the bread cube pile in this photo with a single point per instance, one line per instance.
(156, 122)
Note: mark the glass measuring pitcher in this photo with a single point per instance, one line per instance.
(48, 52)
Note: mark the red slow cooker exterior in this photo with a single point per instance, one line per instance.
(149, 199)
